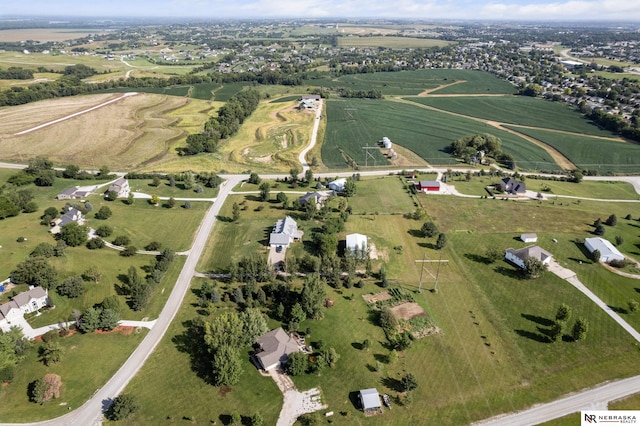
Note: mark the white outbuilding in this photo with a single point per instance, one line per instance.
(386, 143)
(338, 184)
(529, 238)
(607, 251)
(357, 242)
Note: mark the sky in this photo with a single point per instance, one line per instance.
(529, 10)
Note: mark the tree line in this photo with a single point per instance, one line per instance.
(230, 117)
(16, 73)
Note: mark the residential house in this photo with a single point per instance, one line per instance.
(518, 257)
(24, 303)
(511, 186)
(428, 186)
(607, 251)
(370, 400)
(313, 197)
(74, 193)
(284, 232)
(529, 238)
(72, 215)
(275, 348)
(357, 242)
(121, 187)
(338, 184)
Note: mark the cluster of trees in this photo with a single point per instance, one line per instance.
(14, 200)
(467, 148)
(429, 230)
(599, 228)
(141, 289)
(224, 336)
(560, 325)
(301, 363)
(616, 124)
(352, 93)
(12, 348)
(100, 318)
(230, 117)
(15, 73)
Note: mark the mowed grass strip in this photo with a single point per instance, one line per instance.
(352, 124)
(89, 361)
(601, 155)
(522, 110)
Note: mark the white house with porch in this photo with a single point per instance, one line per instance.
(23, 303)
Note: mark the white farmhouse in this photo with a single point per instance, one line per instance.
(518, 257)
(24, 303)
(121, 187)
(338, 184)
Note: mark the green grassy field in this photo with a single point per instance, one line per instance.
(589, 189)
(204, 91)
(391, 42)
(227, 90)
(170, 368)
(601, 155)
(170, 90)
(354, 123)
(414, 82)
(520, 110)
(383, 195)
(89, 361)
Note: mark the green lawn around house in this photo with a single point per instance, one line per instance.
(89, 361)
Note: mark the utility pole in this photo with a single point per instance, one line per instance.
(425, 260)
(367, 154)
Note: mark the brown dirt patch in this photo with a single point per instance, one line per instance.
(373, 298)
(408, 310)
(224, 390)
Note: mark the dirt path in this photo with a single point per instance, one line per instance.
(557, 156)
(442, 86)
(75, 114)
(295, 403)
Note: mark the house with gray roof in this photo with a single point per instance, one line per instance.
(511, 186)
(71, 215)
(370, 400)
(275, 348)
(518, 257)
(284, 232)
(121, 187)
(23, 303)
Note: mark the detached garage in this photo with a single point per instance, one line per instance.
(607, 251)
(429, 186)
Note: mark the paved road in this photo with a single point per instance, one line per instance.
(91, 412)
(592, 399)
(314, 137)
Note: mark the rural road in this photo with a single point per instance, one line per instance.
(592, 399)
(314, 137)
(91, 411)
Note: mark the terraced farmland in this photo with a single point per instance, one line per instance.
(520, 110)
(602, 155)
(355, 123)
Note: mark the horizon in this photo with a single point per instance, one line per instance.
(569, 11)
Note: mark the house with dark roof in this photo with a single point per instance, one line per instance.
(71, 215)
(518, 257)
(274, 348)
(511, 186)
(284, 232)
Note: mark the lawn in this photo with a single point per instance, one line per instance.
(391, 42)
(383, 195)
(89, 361)
(610, 190)
(355, 123)
(522, 110)
(186, 395)
(414, 82)
(600, 155)
(144, 223)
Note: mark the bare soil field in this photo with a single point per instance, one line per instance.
(408, 310)
(123, 135)
(46, 34)
(21, 117)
